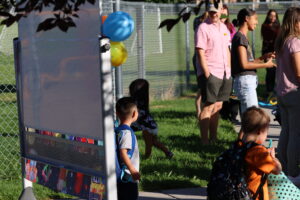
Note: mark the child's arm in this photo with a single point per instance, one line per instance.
(134, 173)
(277, 169)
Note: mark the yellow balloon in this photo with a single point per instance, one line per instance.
(118, 53)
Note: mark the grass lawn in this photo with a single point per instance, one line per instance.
(192, 162)
(190, 167)
(178, 129)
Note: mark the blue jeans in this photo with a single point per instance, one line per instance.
(244, 87)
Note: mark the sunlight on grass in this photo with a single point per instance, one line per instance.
(178, 130)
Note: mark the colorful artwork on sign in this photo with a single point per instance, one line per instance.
(65, 181)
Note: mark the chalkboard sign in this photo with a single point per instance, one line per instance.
(61, 76)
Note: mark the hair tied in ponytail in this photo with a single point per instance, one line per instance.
(235, 22)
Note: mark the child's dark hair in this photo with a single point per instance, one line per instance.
(241, 16)
(267, 20)
(124, 107)
(254, 120)
(139, 91)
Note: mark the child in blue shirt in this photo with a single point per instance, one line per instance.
(127, 113)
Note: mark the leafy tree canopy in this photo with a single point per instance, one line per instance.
(64, 11)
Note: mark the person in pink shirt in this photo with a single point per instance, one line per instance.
(213, 69)
(287, 49)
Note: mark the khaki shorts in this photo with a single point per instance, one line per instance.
(214, 89)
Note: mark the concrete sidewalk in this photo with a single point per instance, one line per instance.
(187, 194)
(200, 193)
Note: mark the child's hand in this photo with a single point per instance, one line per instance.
(135, 175)
(272, 152)
(270, 55)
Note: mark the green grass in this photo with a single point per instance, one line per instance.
(176, 118)
(7, 70)
(190, 167)
(11, 190)
(178, 130)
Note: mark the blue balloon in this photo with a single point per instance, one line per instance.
(118, 26)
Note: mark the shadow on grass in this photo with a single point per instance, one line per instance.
(173, 114)
(149, 185)
(174, 175)
(192, 144)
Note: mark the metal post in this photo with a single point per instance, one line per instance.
(117, 5)
(118, 71)
(140, 41)
(27, 192)
(187, 50)
(107, 98)
(108, 94)
(253, 34)
(159, 31)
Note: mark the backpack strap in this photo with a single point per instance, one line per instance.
(264, 177)
(260, 190)
(126, 127)
(129, 153)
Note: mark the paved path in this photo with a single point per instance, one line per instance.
(187, 194)
(200, 193)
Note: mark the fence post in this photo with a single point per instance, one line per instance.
(253, 34)
(187, 50)
(118, 70)
(159, 31)
(140, 41)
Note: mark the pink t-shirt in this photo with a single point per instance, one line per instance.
(285, 72)
(214, 39)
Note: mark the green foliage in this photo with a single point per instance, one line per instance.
(63, 12)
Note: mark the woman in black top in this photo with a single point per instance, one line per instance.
(269, 31)
(243, 63)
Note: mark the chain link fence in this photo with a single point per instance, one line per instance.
(161, 57)
(155, 54)
(9, 141)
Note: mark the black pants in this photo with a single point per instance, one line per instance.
(128, 191)
(270, 79)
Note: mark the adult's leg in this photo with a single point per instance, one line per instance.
(148, 138)
(127, 191)
(198, 104)
(205, 116)
(214, 120)
(294, 141)
(213, 88)
(270, 79)
(284, 135)
(293, 150)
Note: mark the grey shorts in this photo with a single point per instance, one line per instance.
(214, 89)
